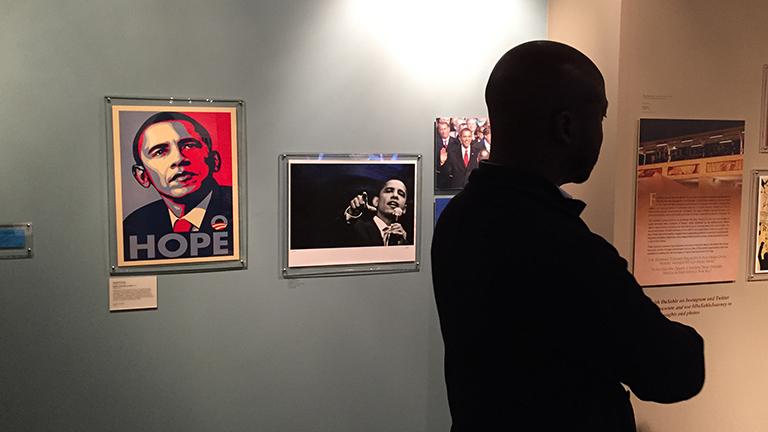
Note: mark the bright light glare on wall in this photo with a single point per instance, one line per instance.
(442, 40)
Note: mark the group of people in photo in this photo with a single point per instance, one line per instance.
(460, 144)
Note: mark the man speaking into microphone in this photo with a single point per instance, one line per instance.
(378, 223)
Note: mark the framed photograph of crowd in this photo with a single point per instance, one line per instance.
(460, 144)
(177, 184)
(688, 201)
(348, 214)
(758, 263)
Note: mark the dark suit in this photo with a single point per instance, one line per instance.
(153, 219)
(481, 144)
(454, 174)
(363, 231)
(441, 181)
(541, 337)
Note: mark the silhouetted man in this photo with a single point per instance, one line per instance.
(379, 224)
(544, 338)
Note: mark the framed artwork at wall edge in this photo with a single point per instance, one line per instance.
(349, 213)
(688, 201)
(177, 184)
(758, 244)
(764, 112)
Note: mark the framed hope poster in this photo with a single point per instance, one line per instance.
(177, 189)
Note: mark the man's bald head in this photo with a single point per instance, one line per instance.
(535, 94)
(536, 78)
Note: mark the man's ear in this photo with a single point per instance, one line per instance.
(214, 160)
(140, 174)
(564, 127)
(375, 201)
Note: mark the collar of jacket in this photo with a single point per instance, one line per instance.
(490, 175)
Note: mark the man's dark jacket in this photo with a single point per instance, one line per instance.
(454, 175)
(544, 327)
(363, 231)
(442, 181)
(153, 219)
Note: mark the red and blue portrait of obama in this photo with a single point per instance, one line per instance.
(175, 155)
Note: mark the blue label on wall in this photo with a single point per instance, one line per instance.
(12, 238)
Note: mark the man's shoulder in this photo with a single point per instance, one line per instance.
(224, 192)
(221, 201)
(521, 214)
(362, 222)
(365, 232)
(147, 218)
(151, 209)
(366, 226)
(455, 156)
(529, 218)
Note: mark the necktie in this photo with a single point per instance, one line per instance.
(182, 225)
(466, 158)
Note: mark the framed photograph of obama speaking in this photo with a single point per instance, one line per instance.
(177, 186)
(348, 214)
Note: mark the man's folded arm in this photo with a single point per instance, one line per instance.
(665, 359)
(659, 359)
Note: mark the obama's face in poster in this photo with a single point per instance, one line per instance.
(176, 159)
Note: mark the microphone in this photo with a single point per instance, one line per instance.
(395, 239)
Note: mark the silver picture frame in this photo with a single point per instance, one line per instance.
(318, 238)
(227, 135)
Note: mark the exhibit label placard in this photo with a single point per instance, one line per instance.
(132, 293)
(688, 201)
(15, 240)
